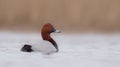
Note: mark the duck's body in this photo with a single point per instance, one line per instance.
(44, 46)
(47, 45)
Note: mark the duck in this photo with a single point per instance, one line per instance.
(47, 44)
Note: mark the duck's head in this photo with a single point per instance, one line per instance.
(45, 32)
(48, 28)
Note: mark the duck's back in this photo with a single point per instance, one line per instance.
(43, 46)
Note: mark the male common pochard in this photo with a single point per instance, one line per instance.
(47, 45)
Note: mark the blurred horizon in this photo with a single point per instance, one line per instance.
(67, 15)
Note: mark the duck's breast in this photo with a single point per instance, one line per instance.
(44, 46)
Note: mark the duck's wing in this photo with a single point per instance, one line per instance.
(44, 46)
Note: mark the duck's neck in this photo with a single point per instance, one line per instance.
(46, 36)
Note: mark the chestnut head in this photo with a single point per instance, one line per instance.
(48, 28)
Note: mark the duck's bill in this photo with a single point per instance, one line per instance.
(56, 31)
